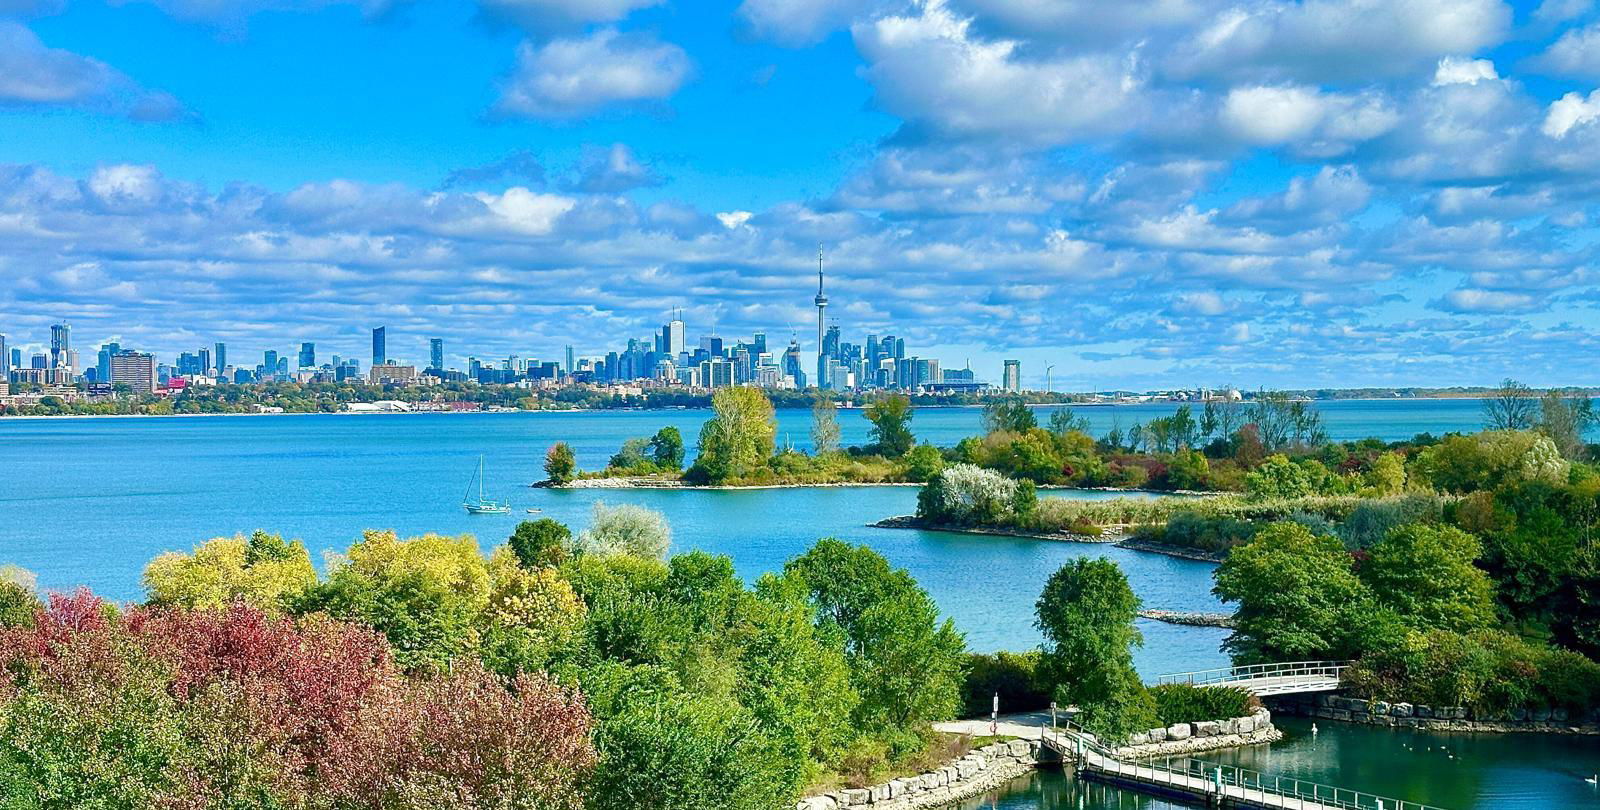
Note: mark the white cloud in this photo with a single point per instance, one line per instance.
(1337, 40)
(1473, 300)
(802, 22)
(33, 73)
(1571, 110)
(125, 186)
(1576, 54)
(1200, 303)
(552, 15)
(1453, 70)
(931, 70)
(1277, 115)
(611, 170)
(571, 78)
(734, 219)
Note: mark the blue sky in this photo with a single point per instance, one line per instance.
(1143, 193)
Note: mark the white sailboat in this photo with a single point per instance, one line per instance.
(482, 506)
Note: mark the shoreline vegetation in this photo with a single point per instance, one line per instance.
(575, 671)
(282, 398)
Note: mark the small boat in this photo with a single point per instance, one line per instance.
(534, 511)
(482, 506)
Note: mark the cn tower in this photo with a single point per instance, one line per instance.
(822, 304)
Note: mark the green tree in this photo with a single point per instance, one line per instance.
(1064, 421)
(19, 601)
(1512, 407)
(891, 424)
(1008, 415)
(1564, 420)
(1086, 613)
(904, 663)
(532, 616)
(924, 462)
(1388, 474)
(1278, 477)
(262, 570)
(540, 543)
(1426, 575)
(666, 447)
(1297, 597)
(628, 529)
(824, 425)
(426, 594)
(1188, 469)
(738, 438)
(560, 464)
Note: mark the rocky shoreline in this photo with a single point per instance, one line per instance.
(1435, 718)
(1180, 552)
(976, 773)
(1189, 618)
(912, 522)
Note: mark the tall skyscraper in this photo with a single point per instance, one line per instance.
(380, 346)
(269, 363)
(308, 355)
(205, 361)
(1012, 380)
(5, 360)
(61, 345)
(677, 336)
(570, 366)
(136, 370)
(221, 357)
(16, 358)
(822, 305)
(830, 343)
(103, 361)
(436, 353)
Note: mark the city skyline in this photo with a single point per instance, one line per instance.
(1320, 193)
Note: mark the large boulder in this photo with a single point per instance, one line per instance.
(1179, 731)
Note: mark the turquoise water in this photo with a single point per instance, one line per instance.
(89, 501)
(1452, 771)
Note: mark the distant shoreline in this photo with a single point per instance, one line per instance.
(851, 407)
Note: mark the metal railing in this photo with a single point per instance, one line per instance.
(1211, 778)
(1265, 678)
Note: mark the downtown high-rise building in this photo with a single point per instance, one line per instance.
(308, 355)
(676, 336)
(269, 363)
(5, 360)
(137, 370)
(380, 346)
(436, 354)
(61, 346)
(571, 367)
(220, 356)
(1012, 379)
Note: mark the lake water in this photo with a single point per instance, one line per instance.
(1452, 771)
(89, 501)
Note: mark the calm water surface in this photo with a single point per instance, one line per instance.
(90, 501)
(1452, 771)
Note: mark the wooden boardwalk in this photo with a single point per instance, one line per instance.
(1213, 785)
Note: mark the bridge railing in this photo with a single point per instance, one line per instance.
(1287, 673)
(1215, 778)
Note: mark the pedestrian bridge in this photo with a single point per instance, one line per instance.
(1214, 785)
(1294, 677)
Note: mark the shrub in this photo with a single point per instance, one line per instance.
(1183, 703)
(626, 529)
(539, 543)
(1013, 675)
(965, 495)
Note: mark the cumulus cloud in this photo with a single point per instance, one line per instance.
(519, 165)
(34, 74)
(576, 77)
(1453, 70)
(802, 22)
(1336, 40)
(611, 170)
(1472, 301)
(931, 70)
(1327, 123)
(1569, 111)
(558, 15)
(1576, 54)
